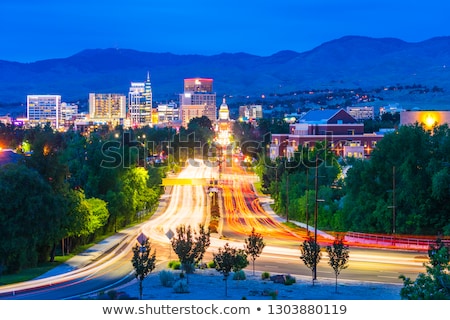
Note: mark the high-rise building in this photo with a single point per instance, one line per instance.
(140, 103)
(168, 113)
(68, 111)
(198, 100)
(107, 107)
(43, 109)
(361, 113)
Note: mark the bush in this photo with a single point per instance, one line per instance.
(289, 280)
(174, 265)
(166, 277)
(265, 275)
(212, 264)
(113, 295)
(239, 275)
(181, 286)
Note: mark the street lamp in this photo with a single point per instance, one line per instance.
(287, 196)
(316, 209)
(306, 208)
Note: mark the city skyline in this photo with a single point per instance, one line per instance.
(51, 29)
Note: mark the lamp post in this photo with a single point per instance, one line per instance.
(306, 208)
(287, 196)
(316, 209)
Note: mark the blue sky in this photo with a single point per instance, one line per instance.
(35, 30)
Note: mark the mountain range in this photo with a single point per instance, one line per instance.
(347, 62)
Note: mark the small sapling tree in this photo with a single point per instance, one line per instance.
(144, 261)
(310, 255)
(190, 246)
(227, 259)
(254, 246)
(338, 255)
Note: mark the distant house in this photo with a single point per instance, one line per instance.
(342, 132)
(8, 156)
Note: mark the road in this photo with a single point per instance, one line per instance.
(188, 205)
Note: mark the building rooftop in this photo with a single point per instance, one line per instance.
(9, 156)
(319, 116)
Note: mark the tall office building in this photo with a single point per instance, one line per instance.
(43, 109)
(140, 103)
(168, 113)
(109, 108)
(198, 100)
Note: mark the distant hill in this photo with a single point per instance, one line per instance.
(348, 62)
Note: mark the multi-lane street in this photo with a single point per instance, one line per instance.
(187, 204)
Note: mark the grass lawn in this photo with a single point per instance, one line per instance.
(31, 273)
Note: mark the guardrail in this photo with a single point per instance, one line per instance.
(408, 242)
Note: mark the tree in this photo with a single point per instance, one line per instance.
(311, 255)
(435, 284)
(240, 261)
(338, 257)
(190, 246)
(420, 158)
(227, 259)
(254, 246)
(30, 212)
(143, 261)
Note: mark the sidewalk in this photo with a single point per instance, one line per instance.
(86, 257)
(266, 202)
(97, 250)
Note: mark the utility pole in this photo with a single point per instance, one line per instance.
(316, 210)
(393, 200)
(276, 179)
(306, 209)
(287, 196)
(316, 187)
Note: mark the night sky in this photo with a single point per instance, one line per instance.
(35, 30)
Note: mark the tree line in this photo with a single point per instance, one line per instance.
(403, 188)
(65, 192)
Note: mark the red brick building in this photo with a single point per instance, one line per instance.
(343, 133)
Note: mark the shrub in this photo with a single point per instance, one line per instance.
(274, 294)
(289, 280)
(181, 286)
(212, 264)
(174, 265)
(166, 277)
(239, 275)
(113, 295)
(265, 275)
